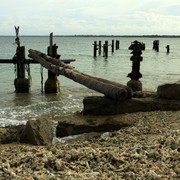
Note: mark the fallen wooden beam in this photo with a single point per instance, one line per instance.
(61, 63)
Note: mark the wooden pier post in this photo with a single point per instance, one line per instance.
(105, 49)
(21, 83)
(156, 45)
(168, 49)
(52, 84)
(95, 48)
(112, 46)
(99, 46)
(117, 44)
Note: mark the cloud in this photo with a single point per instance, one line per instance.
(90, 17)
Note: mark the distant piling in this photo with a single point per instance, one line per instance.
(104, 48)
(156, 45)
(95, 48)
(112, 46)
(168, 49)
(99, 47)
(117, 44)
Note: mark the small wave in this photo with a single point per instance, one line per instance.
(10, 122)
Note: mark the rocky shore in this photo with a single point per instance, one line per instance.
(148, 148)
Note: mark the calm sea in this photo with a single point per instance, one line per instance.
(156, 68)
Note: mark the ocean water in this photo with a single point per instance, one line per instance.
(157, 68)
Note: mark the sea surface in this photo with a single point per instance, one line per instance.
(157, 68)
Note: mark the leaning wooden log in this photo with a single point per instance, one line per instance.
(61, 63)
(57, 62)
(120, 92)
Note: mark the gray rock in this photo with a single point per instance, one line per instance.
(91, 124)
(169, 91)
(39, 132)
(96, 105)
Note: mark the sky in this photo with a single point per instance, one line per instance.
(90, 17)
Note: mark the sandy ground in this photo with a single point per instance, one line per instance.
(148, 149)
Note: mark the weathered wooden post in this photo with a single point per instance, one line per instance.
(99, 47)
(134, 83)
(156, 45)
(95, 48)
(52, 84)
(21, 83)
(105, 49)
(117, 44)
(168, 49)
(112, 46)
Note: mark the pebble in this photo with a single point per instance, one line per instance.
(124, 154)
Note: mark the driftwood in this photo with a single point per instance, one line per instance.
(108, 88)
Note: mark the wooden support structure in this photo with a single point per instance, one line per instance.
(52, 84)
(113, 90)
(135, 75)
(21, 83)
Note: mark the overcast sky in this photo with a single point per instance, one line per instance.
(95, 17)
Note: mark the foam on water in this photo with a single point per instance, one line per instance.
(9, 122)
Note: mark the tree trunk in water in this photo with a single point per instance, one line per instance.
(110, 89)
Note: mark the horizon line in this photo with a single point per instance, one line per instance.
(103, 35)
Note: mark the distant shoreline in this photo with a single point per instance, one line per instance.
(145, 36)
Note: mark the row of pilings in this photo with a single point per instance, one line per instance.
(156, 46)
(99, 49)
(105, 47)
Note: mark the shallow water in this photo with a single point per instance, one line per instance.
(156, 68)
